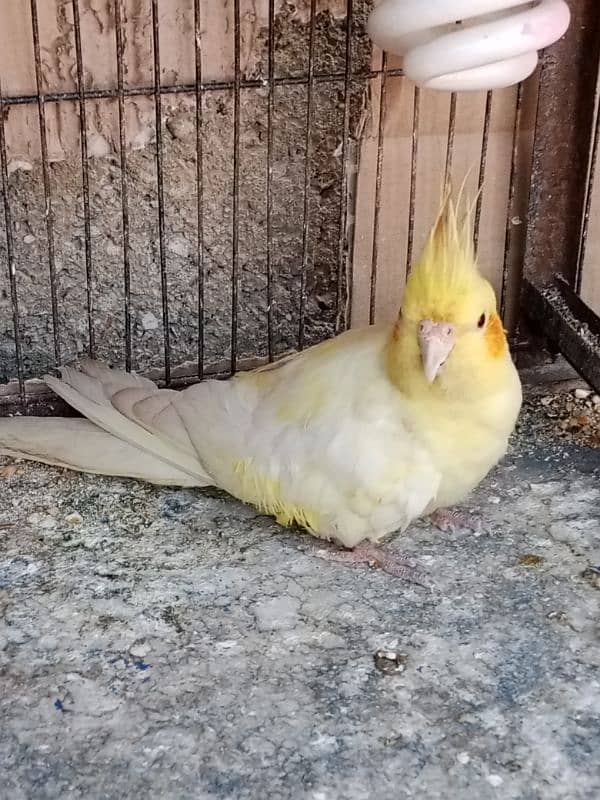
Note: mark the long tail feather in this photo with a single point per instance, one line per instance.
(80, 445)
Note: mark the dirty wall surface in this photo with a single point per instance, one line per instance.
(26, 185)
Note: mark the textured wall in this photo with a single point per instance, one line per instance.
(177, 56)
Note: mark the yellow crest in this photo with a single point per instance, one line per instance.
(446, 271)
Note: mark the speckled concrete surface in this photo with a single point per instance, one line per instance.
(174, 644)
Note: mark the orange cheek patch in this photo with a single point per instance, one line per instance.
(495, 338)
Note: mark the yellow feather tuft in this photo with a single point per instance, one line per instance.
(446, 270)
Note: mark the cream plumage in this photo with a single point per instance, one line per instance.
(352, 439)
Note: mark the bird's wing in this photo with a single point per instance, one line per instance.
(134, 410)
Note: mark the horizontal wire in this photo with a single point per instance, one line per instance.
(191, 88)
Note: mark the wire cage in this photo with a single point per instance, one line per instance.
(193, 187)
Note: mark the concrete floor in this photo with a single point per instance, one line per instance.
(174, 644)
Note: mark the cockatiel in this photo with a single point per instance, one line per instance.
(352, 439)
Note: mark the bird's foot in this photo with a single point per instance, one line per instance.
(400, 565)
(448, 520)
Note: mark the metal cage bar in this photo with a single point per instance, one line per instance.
(49, 212)
(378, 179)
(588, 193)
(511, 197)
(89, 277)
(190, 88)
(199, 183)
(161, 191)
(269, 219)
(482, 165)
(10, 253)
(414, 154)
(306, 255)
(450, 140)
(235, 222)
(343, 212)
(120, 54)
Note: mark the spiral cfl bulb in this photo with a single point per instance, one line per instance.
(458, 45)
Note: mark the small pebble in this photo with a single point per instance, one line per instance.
(140, 649)
(463, 758)
(74, 518)
(530, 560)
(582, 394)
(592, 575)
(559, 616)
(179, 245)
(29, 239)
(149, 321)
(390, 661)
(494, 780)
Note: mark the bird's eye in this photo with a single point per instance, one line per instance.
(481, 321)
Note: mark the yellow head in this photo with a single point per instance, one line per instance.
(449, 337)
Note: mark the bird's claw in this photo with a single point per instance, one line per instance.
(400, 565)
(453, 521)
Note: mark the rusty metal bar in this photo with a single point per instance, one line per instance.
(270, 102)
(235, 279)
(414, 154)
(568, 323)
(589, 192)
(190, 88)
(49, 213)
(89, 277)
(341, 320)
(511, 197)
(161, 191)
(199, 184)
(482, 164)
(10, 252)
(307, 165)
(563, 135)
(451, 134)
(378, 176)
(120, 45)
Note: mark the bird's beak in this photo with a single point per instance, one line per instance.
(436, 340)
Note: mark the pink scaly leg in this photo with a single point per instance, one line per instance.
(400, 565)
(448, 520)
